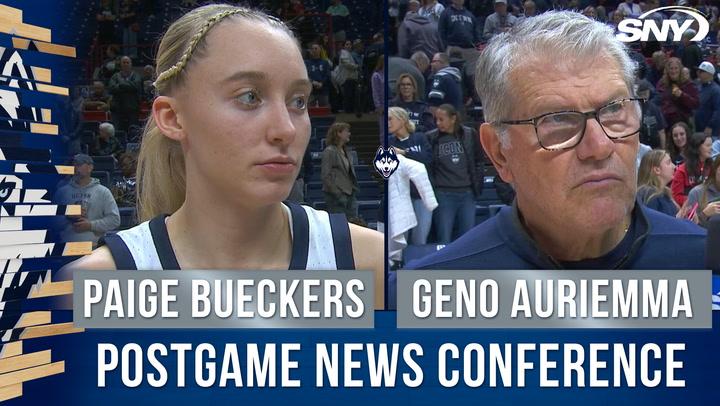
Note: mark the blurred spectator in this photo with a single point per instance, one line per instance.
(325, 46)
(123, 189)
(695, 169)
(98, 99)
(678, 95)
(629, 8)
(456, 172)
(680, 133)
(415, 146)
(319, 73)
(499, 21)
(338, 176)
(346, 76)
(458, 27)
(656, 171)
(340, 14)
(99, 212)
(655, 72)
(109, 66)
(415, 66)
(413, 6)
(407, 98)
(710, 12)
(689, 52)
(707, 195)
(148, 77)
(446, 85)
(125, 88)
(130, 25)
(106, 143)
(418, 33)
(71, 121)
(652, 132)
(590, 12)
(297, 193)
(615, 19)
(432, 10)
(106, 23)
(529, 10)
(378, 95)
(707, 116)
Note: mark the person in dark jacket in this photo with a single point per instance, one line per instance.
(652, 132)
(126, 89)
(413, 145)
(690, 53)
(565, 136)
(418, 33)
(446, 83)
(458, 26)
(456, 172)
(318, 70)
(707, 116)
(408, 99)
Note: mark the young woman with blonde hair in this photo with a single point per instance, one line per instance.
(655, 172)
(220, 153)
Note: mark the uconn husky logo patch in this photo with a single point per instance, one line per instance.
(386, 161)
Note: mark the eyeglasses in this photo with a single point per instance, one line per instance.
(406, 85)
(565, 129)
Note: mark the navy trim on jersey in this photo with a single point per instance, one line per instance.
(301, 237)
(339, 228)
(119, 251)
(159, 233)
(341, 240)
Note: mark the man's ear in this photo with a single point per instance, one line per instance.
(167, 118)
(490, 140)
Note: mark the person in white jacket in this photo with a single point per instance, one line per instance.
(400, 208)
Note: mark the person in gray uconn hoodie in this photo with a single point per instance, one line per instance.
(418, 33)
(99, 212)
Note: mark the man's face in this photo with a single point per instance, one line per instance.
(458, 3)
(315, 51)
(98, 88)
(705, 77)
(591, 186)
(501, 8)
(436, 63)
(125, 64)
(529, 8)
(83, 170)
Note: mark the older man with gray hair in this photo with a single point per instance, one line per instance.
(562, 125)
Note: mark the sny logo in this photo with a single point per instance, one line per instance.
(386, 161)
(639, 29)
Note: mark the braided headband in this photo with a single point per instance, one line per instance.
(180, 65)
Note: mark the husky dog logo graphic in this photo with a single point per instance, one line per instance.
(6, 187)
(386, 161)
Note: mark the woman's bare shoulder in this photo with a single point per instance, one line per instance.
(368, 250)
(99, 260)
